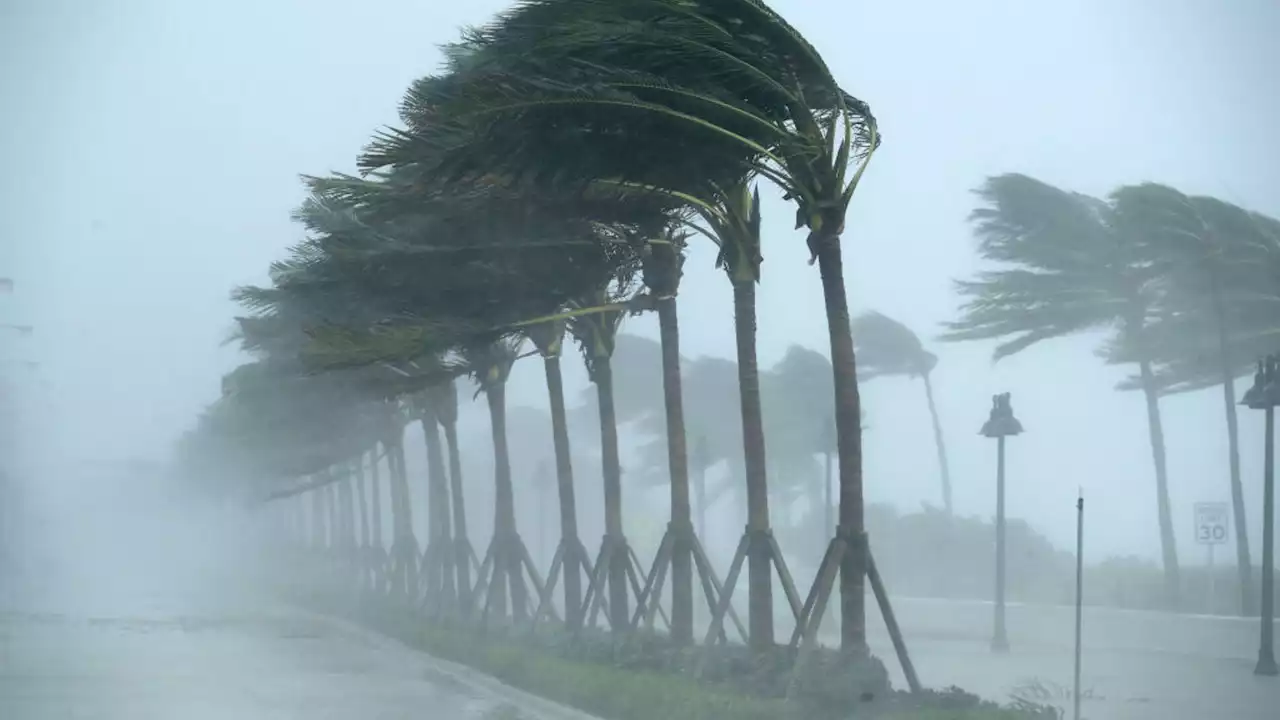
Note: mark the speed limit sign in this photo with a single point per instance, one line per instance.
(1212, 519)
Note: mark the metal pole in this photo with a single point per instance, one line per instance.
(1079, 598)
(1000, 638)
(1212, 581)
(1266, 649)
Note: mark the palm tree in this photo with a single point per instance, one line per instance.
(799, 413)
(662, 268)
(644, 99)
(280, 424)
(738, 230)
(887, 347)
(1215, 258)
(596, 334)
(548, 338)
(491, 364)
(444, 403)
(1068, 265)
(438, 558)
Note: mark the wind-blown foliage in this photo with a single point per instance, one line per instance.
(568, 145)
(887, 347)
(1186, 287)
(683, 100)
(1217, 314)
(1068, 263)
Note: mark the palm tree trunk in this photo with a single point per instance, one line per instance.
(347, 517)
(506, 569)
(439, 532)
(943, 466)
(461, 543)
(317, 519)
(375, 495)
(331, 500)
(1168, 543)
(404, 545)
(361, 500)
(853, 570)
(759, 567)
(828, 507)
(700, 496)
(1244, 564)
(602, 370)
(571, 569)
(678, 467)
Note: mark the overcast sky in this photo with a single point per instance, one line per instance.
(152, 149)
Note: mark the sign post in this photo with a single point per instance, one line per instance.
(1213, 521)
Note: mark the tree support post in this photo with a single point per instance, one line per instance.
(754, 541)
(618, 569)
(805, 636)
(570, 557)
(504, 568)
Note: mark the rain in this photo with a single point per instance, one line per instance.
(688, 359)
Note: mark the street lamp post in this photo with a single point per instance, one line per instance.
(1265, 395)
(999, 425)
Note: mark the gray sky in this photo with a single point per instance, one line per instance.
(153, 149)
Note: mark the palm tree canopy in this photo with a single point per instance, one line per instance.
(1220, 268)
(887, 347)
(650, 93)
(1066, 267)
(799, 404)
(397, 291)
(283, 425)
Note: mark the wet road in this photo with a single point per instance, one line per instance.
(153, 624)
(1136, 665)
(248, 666)
(132, 616)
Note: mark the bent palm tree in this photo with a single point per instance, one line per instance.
(661, 271)
(1215, 259)
(596, 334)
(491, 367)
(1069, 266)
(887, 347)
(664, 88)
(548, 337)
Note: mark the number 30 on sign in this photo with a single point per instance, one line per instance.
(1211, 523)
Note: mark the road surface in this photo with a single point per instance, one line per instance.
(1136, 665)
(134, 616)
(247, 666)
(128, 625)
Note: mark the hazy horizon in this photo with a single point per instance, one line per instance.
(156, 149)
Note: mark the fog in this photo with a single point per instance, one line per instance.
(154, 150)
(160, 147)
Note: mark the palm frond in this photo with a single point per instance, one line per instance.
(887, 347)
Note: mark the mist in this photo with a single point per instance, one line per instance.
(155, 150)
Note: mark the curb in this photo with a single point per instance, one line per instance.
(540, 707)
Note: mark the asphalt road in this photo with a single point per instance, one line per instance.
(189, 663)
(1136, 665)
(134, 622)
(139, 620)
